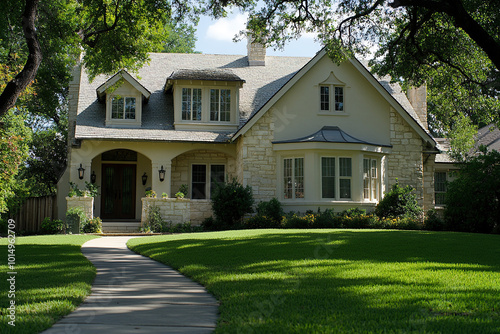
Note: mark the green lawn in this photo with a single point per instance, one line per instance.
(52, 278)
(341, 281)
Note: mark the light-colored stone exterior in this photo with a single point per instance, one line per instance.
(172, 210)
(406, 163)
(256, 53)
(84, 203)
(418, 99)
(257, 160)
(181, 166)
(200, 209)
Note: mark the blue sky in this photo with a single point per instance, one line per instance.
(215, 37)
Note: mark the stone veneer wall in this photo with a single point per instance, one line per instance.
(200, 209)
(180, 166)
(256, 162)
(172, 209)
(85, 203)
(429, 167)
(405, 163)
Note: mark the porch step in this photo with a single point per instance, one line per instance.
(121, 227)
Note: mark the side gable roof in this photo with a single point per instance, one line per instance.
(391, 92)
(122, 74)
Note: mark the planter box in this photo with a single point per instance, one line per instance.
(84, 203)
(171, 209)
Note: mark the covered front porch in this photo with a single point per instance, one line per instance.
(124, 171)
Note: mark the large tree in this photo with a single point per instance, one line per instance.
(40, 39)
(452, 45)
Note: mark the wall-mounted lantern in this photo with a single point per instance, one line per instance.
(161, 173)
(144, 178)
(81, 171)
(93, 177)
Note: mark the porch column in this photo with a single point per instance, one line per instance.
(158, 186)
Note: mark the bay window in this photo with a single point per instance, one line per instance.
(293, 178)
(370, 179)
(330, 178)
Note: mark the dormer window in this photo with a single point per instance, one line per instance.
(124, 97)
(123, 108)
(331, 96)
(205, 99)
(191, 104)
(220, 105)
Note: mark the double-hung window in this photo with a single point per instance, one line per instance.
(370, 179)
(204, 179)
(123, 108)
(336, 180)
(220, 105)
(331, 98)
(293, 178)
(439, 187)
(191, 104)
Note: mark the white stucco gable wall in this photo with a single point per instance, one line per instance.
(366, 113)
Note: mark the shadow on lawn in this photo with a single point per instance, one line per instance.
(344, 281)
(51, 281)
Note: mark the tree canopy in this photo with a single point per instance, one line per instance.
(451, 45)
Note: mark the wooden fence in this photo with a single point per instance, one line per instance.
(34, 211)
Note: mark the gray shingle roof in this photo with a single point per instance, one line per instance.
(262, 82)
(328, 134)
(489, 136)
(212, 74)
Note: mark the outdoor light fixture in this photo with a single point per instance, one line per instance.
(81, 170)
(162, 174)
(93, 177)
(144, 179)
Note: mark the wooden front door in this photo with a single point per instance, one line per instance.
(118, 191)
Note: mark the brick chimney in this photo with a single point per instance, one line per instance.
(418, 99)
(256, 52)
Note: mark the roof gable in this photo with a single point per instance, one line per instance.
(390, 92)
(122, 74)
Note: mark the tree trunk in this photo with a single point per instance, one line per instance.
(17, 85)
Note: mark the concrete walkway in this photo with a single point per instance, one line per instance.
(134, 294)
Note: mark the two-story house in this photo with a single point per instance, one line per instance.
(306, 131)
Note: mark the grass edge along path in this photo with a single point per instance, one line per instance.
(53, 278)
(341, 281)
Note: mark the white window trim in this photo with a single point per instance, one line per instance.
(337, 176)
(331, 100)
(371, 198)
(208, 172)
(122, 122)
(205, 122)
(293, 198)
(447, 178)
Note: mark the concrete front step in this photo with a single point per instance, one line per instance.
(121, 227)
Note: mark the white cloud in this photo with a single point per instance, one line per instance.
(226, 28)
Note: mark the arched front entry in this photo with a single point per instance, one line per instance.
(119, 175)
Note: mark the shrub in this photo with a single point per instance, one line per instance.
(93, 225)
(75, 217)
(52, 226)
(398, 203)
(230, 202)
(260, 221)
(271, 209)
(326, 219)
(209, 224)
(154, 222)
(183, 189)
(433, 222)
(473, 198)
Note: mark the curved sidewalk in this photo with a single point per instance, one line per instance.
(134, 294)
